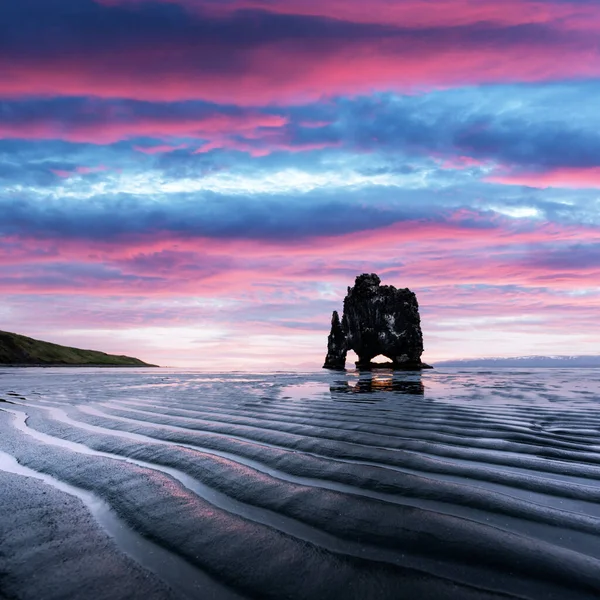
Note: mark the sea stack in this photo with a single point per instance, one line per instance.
(378, 319)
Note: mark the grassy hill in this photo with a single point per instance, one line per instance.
(20, 350)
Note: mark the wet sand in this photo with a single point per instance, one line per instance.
(51, 546)
(450, 485)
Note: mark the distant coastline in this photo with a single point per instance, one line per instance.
(20, 351)
(581, 361)
(75, 366)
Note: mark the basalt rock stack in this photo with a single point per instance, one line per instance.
(377, 320)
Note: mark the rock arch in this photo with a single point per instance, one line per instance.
(377, 319)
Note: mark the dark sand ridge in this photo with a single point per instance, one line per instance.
(552, 464)
(459, 423)
(416, 515)
(524, 478)
(133, 494)
(528, 481)
(460, 453)
(443, 469)
(513, 439)
(529, 517)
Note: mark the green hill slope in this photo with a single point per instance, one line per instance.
(20, 350)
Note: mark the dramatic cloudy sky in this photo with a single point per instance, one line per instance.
(196, 182)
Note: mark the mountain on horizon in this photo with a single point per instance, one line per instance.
(579, 361)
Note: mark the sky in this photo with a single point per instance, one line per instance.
(197, 182)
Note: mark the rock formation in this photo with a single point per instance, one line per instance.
(336, 345)
(378, 319)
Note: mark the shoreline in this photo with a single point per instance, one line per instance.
(77, 366)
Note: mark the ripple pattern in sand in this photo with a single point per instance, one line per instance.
(447, 484)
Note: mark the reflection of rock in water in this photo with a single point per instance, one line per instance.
(382, 382)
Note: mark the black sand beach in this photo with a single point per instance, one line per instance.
(442, 485)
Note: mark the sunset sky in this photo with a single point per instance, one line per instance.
(196, 182)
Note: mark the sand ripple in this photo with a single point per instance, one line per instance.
(450, 484)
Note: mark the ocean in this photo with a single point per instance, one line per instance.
(454, 483)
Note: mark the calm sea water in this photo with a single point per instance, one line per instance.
(451, 483)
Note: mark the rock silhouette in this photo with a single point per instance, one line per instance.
(337, 345)
(378, 319)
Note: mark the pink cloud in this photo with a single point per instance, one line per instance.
(257, 146)
(62, 173)
(283, 71)
(127, 126)
(86, 170)
(428, 253)
(498, 279)
(161, 149)
(460, 163)
(408, 13)
(247, 131)
(156, 290)
(564, 177)
(79, 171)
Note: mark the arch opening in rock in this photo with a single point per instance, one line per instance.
(380, 359)
(351, 357)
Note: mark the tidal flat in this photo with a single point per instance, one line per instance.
(457, 483)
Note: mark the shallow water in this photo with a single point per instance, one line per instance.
(452, 483)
